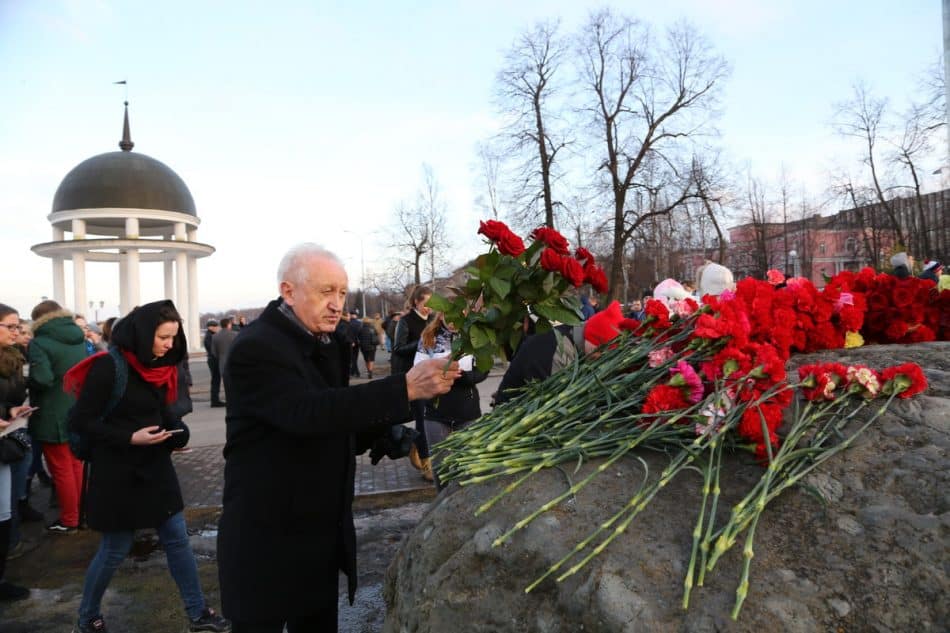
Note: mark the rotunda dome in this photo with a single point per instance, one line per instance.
(123, 179)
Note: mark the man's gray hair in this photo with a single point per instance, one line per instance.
(292, 267)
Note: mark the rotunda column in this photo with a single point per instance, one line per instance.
(169, 265)
(132, 279)
(181, 285)
(79, 268)
(124, 305)
(181, 275)
(59, 270)
(79, 283)
(132, 259)
(194, 320)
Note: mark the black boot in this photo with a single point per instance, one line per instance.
(8, 591)
(28, 513)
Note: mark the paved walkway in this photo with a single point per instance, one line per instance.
(201, 471)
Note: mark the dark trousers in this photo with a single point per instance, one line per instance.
(323, 621)
(215, 380)
(354, 360)
(418, 408)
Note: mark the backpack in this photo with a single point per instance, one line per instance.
(80, 443)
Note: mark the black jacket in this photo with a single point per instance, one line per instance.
(12, 382)
(369, 338)
(293, 428)
(461, 403)
(130, 487)
(408, 331)
(536, 360)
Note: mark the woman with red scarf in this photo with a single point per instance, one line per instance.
(132, 482)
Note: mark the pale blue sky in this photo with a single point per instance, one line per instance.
(291, 121)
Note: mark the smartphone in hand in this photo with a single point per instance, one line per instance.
(25, 412)
(176, 431)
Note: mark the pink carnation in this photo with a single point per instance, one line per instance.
(685, 376)
(660, 356)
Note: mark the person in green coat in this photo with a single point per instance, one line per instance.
(58, 344)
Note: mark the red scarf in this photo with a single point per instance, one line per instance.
(159, 377)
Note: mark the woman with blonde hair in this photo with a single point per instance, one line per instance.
(461, 405)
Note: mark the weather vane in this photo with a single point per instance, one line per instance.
(126, 84)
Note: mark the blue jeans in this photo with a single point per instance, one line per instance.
(115, 547)
(18, 471)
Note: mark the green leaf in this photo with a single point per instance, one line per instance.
(439, 303)
(508, 271)
(478, 336)
(500, 286)
(555, 313)
(484, 359)
(492, 315)
(548, 284)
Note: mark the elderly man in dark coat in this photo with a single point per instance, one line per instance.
(293, 428)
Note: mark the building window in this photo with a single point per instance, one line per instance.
(821, 248)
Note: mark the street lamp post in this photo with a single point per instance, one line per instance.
(793, 255)
(362, 270)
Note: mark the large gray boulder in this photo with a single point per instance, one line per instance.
(873, 556)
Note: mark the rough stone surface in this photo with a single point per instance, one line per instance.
(872, 556)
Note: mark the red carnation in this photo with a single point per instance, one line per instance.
(583, 254)
(906, 380)
(552, 238)
(550, 260)
(750, 427)
(572, 270)
(659, 313)
(664, 398)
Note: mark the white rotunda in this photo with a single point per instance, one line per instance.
(128, 208)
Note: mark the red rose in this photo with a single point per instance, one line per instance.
(572, 270)
(493, 229)
(595, 276)
(510, 244)
(552, 239)
(550, 260)
(583, 254)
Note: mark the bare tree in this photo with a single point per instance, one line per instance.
(711, 189)
(646, 100)
(411, 239)
(432, 209)
(862, 117)
(525, 86)
(489, 166)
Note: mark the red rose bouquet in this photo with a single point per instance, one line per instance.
(511, 283)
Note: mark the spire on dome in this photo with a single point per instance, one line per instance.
(126, 143)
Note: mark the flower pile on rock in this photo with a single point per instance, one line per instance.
(693, 383)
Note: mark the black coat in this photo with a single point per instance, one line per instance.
(408, 332)
(130, 487)
(292, 432)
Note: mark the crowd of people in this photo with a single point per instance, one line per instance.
(115, 393)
